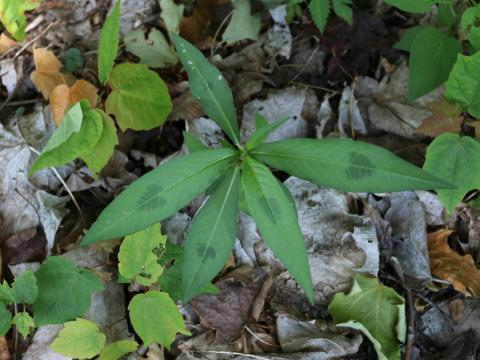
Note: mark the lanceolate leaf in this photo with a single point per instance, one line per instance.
(139, 98)
(211, 236)
(193, 144)
(319, 9)
(276, 219)
(457, 160)
(346, 164)
(263, 132)
(160, 193)
(108, 43)
(209, 87)
(342, 9)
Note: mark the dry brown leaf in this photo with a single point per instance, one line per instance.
(446, 118)
(47, 75)
(450, 266)
(6, 43)
(4, 353)
(62, 97)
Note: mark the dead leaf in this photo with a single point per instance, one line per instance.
(4, 353)
(446, 118)
(450, 266)
(47, 75)
(6, 43)
(62, 97)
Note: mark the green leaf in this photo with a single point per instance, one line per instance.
(320, 10)
(64, 291)
(261, 134)
(155, 52)
(209, 87)
(432, 56)
(343, 10)
(24, 322)
(73, 60)
(5, 319)
(171, 14)
(139, 98)
(99, 155)
(80, 143)
(463, 85)
(468, 25)
(118, 349)
(150, 309)
(413, 6)
(376, 310)
(160, 193)
(408, 36)
(211, 236)
(108, 43)
(276, 220)
(24, 288)
(79, 339)
(243, 24)
(446, 15)
(137, 257)
(346, 165)
(6, 295)
(457, 160)
(193, 144)
(13, 17)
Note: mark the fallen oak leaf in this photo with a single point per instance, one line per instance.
(47, 75)
(450, 266)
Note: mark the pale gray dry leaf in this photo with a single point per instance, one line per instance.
(8, 75)
(291, 102)
(175, 227)
(325, 119)
(279, 36)
(39, 348)
(434, 209)
(207, 131)
(350, 120)
(407, 219)
(134, 12)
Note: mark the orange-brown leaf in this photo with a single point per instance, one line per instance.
(83, 89)
(6, 43)
(449, 265)
(59, 102)
(438, 124)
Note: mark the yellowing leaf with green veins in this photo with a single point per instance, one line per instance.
(99, 155)
(66, 286)
(108, 43)
(138, 258)
(60, 149)
(118, 349)
(12, 15)
(5, 319)
(457, 160)
(155, 318)
(155, 52)
(24, 322)
(243, 25)
(24, 288)
(79, 339)
(171, 14)
(377, 311)
(139, 98)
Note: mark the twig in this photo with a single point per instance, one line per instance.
(224, 21)
(411, 325)
(44, 31)
(310, 58)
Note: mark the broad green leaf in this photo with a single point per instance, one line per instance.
(209, 87)
(408, 36)
(64, 291)
(193, 144)
(24, 322)
(413, 6)
(155, 318)
(99, 155)
(108, 43)
(320, 10)
(118, 350)
(463, 85)
(6, 295)
(5, 319)
(171, 15)
(211, 236)
(346, 165)
(12, 15)
(79, 339)
(243, 25)
(155, 52)
(468, 25)
(139, 98)
(261, 134)
(78, 144)
(376, 310)
(457, 160)
(24, 288)
(137, 255)
(276, 220)
(432, 56)
(342, 9)
(160, 193)
(446, 15)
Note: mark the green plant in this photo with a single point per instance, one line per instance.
(238, 176)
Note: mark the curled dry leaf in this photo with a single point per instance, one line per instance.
(47, 75)
(62, 97)
(448, 265)
(6, 43)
